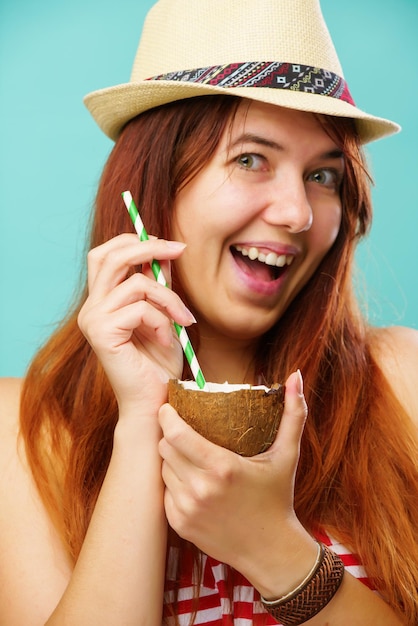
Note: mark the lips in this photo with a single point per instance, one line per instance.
(262, 264)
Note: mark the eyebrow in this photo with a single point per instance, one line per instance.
(334, 153)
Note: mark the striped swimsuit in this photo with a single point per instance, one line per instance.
(214, 605)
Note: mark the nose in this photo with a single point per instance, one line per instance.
(288, 205)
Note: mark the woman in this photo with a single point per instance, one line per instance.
(256, 196)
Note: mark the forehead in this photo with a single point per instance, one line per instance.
(273, 122)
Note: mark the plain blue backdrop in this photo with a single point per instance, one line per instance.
(51, 152)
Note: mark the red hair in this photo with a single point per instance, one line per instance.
(357, 474)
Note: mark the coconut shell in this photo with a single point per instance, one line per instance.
(244, 421)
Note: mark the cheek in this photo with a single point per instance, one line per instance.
(326, 228)
(190, 217)
(215, 205)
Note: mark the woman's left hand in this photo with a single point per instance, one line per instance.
(231, 507)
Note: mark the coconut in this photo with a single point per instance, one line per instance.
(242, 418)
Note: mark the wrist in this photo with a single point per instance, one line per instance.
(282, 564)
(133, 430)
(135, 454)
(272, 600)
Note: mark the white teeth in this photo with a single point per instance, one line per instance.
(253, 254)
(271, 258)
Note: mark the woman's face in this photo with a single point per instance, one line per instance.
(257, 219)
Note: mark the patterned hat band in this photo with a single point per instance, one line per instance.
(292, 76)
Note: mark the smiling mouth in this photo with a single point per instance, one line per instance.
(266, 266)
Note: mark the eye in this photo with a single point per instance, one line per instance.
(326, 177)
(250, 161)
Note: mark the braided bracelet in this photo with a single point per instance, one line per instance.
(313, 593)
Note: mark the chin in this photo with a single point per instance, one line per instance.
(246, 330)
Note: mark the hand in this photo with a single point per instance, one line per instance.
(128, 319)
(236, 509)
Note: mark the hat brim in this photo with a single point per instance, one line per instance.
(113, 107)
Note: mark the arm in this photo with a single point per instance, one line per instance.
(119, 575)
(120, 572)
(34, 568)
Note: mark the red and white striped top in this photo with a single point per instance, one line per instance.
(214, 606)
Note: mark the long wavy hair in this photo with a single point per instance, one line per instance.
(357, 474)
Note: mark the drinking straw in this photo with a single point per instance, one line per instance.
(159, 277)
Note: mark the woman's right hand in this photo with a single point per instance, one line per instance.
(128, 320)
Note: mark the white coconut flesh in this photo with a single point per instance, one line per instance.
(225, 387)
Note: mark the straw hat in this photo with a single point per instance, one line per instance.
(275, 51)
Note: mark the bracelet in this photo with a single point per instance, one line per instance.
(313, 593)
(319, 556)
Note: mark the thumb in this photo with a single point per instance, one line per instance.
(294, 414)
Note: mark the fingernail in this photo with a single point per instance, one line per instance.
(299, 384)
(190, 315)
(176, 245)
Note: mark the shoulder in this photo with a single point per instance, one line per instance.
(10, 393)
(10, 389)
(13, 466)
(397, 347)
(396, 351)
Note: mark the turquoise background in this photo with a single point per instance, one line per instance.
(52, 52)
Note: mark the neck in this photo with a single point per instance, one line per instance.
(227, 361)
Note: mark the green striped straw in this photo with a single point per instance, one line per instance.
(159, 277)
